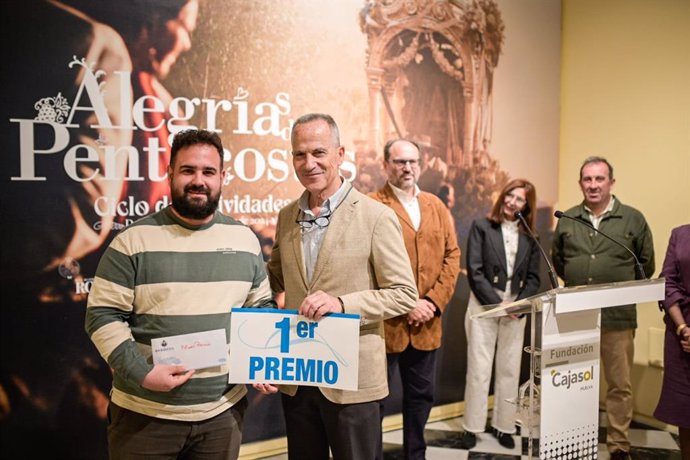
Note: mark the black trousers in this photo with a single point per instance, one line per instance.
(314, 424)
(417, 374)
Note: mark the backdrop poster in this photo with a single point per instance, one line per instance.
(93, 91)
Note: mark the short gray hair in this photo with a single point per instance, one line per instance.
(308, 118)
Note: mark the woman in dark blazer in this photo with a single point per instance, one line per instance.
(502, 266)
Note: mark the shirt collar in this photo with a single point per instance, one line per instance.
(402, 195)
(511, 224)
(331, 202)
(182, 223)
(609, 207)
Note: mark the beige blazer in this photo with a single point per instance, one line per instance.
(364, 262)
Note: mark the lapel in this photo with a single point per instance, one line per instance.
(425, 211)
(294, 234)
(337, 228)
(495, 237)
(389, 199)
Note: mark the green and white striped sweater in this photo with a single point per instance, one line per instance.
(162, 277)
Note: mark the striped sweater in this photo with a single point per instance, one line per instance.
(162, 277)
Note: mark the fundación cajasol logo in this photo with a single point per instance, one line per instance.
(563, 379)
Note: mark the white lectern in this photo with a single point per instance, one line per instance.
(563, 411)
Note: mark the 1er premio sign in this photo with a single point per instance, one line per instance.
(280, 346)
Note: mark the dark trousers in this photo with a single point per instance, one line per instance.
(136, 436)
(417, 374)
(313, 424)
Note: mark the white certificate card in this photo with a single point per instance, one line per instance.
(193, 351)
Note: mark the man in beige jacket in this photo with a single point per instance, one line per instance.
(336, 250)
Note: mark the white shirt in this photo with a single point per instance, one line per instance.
(596, 220)
(312, 238)
(509, 229)
(411, 205)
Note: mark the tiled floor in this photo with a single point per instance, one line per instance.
(443, 439)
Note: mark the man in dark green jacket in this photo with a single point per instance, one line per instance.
(581, 256)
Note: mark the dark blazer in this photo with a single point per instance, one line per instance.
(486, 263)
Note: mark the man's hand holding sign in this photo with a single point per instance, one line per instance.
(273, 346)
(314, 307)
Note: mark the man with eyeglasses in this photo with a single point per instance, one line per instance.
(412, 339)
(336, 250)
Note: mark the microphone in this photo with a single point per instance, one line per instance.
(552, 272)
(638, 265)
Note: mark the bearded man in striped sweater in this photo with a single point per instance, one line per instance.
(178, 271)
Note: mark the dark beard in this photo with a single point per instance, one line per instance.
(192, 209)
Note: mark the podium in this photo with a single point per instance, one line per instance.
(563, 411)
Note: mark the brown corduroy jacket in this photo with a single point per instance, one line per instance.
(435, 259)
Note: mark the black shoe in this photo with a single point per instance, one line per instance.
(504, 439)
(620, 455)
(468, 440)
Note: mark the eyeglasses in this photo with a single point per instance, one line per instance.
(401, 163)
(319, 222)
(518, 199)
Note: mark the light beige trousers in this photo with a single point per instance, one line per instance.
(617, 350)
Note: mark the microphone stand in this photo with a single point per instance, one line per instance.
(533, 350)
(552, 272)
